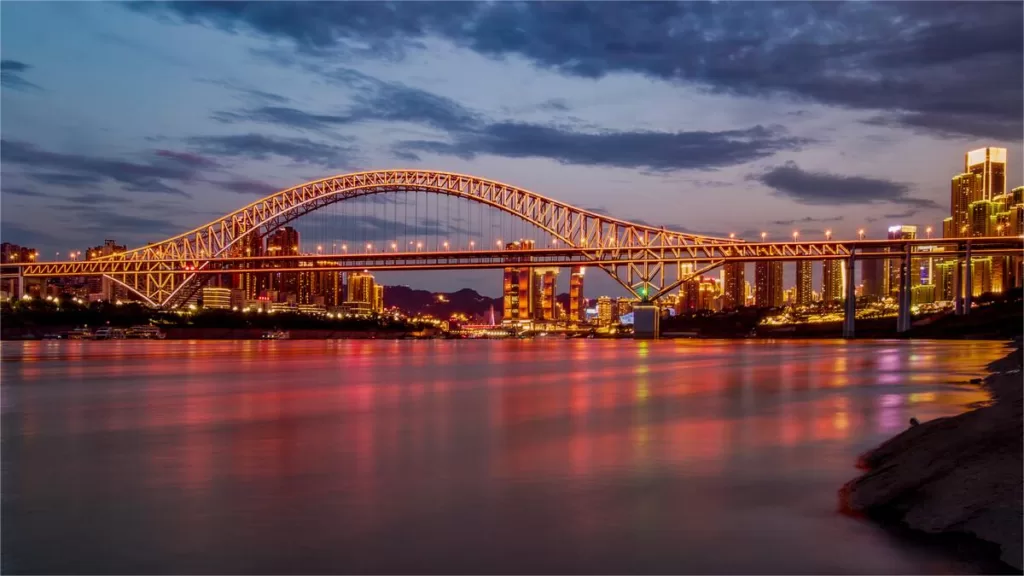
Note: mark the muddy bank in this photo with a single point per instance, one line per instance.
(956, 475)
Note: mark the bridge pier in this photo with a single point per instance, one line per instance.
(903, 315)
(968, 279)
(850, 303)
(646, 321)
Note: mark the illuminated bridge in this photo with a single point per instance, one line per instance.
(423, 219)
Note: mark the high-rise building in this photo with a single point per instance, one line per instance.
(544, 287)
(832, 281)
(966, 188)
(100, 286)
(804, 286)
(981, 275)
(518, 286)
(922, 294)
(981, 216)
(604, 310)
(13, 253)
(873, 277)
(623, 306)
(378, 299)
(214, 297)
(948, 229)
(707, 293)
(577, 304)
(361, 288)
(944, 279)
(733, 285)
(990, 164)
(768, 284)
(251, 283)
(893, 265)
(284, 242)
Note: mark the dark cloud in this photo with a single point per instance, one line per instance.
(245, 186)
(146, 176)
(910, 60)
(471, 134)
(373, 100)
(11, 72)
(261, 147)
(822, 188)
(807, 220)
(67, 179)
(187, 158)
(23, 235)
(660, 151)
(26, 192)
(905, 214)
(260, 97)
(93, 198)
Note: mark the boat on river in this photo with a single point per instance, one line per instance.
(276, 335)
(145, 333)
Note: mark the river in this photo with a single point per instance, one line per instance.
(374, 456)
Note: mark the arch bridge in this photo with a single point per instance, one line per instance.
(647, 261)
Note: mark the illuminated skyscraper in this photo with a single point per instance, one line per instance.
(892, 266)
(948, 229)
(216, 297)
(965, 188)
(250, 283)
(804, 286)
(544, 293)
(832, 281)
(982, 219)
(517, 286)
(576, 301)
(873, 276)
(361, 288)
(768, 284)
(945, 280)
(378, 299)
(284, 242)
(104, 286)
(732, 285)
(604, 311)
(990, 164)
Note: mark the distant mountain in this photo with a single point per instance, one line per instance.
(441, 304)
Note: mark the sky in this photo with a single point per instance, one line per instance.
(139, 121)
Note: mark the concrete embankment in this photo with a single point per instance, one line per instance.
(956, 475)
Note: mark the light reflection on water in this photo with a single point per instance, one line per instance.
(459, 456)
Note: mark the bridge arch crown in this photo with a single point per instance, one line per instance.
(575, 227)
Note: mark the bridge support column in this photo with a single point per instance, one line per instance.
(968, 279)
(903, 315)
(958, 288)
(22, 289)
(850, 303)
(646, 321)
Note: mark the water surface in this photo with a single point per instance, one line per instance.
(580, 456)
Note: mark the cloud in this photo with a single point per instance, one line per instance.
(187, 158)
(245, 186)
(373, 100)
(31, 236)
(908, 60)
(261, 97)
(93, 198)
(146, 176)
(471, 134)
(807, 220)
(26, 192)
(905, 214)
(68, 180)
(260, 147)
(11, 76)
(822, 188)
(660, 151)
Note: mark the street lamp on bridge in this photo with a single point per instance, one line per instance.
(860, 234)
(828, 234)
(763, 236)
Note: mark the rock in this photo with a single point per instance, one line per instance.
(963, 474)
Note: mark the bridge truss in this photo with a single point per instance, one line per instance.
(647, 261)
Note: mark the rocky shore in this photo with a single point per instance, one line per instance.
(958, 475)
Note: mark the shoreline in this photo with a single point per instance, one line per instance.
(955, 476)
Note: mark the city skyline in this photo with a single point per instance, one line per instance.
(622, 136)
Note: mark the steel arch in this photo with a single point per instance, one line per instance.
(576, 227)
